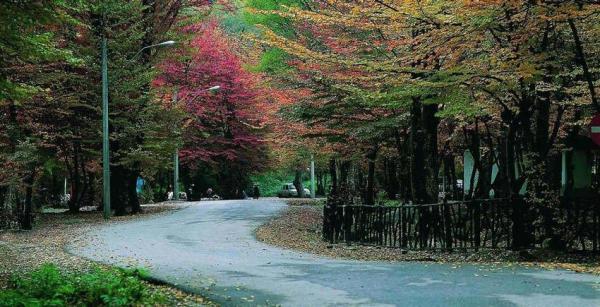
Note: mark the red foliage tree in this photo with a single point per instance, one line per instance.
(223, 128)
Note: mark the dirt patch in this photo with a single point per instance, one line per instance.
(22, 251)
(299, 228)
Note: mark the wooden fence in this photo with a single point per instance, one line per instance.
(490, 223)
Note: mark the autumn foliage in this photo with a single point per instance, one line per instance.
(222, 128)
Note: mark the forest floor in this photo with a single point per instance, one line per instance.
(298, 227)
(23, 251)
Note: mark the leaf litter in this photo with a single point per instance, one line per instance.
(299, 227)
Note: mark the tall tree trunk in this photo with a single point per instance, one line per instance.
(370, 191)
(26, 218)
(424, 161)
(424, 164)
(118, 190)
(321, 183)
(3, 192)
(77, 178)
(298, 182)
(357, 180)
(391, 184)
(344, 192)
(333, 174)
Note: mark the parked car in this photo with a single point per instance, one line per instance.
(289, 190)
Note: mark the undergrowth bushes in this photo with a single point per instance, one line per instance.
(48, 286)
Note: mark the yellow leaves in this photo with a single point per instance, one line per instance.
(331, 60)
(527, 70)
(289, 46)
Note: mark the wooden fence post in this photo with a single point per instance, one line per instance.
(517, 222)
(476, 223)
(447, 225)
(347, 218)
(326, 224)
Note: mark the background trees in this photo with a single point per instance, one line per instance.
(50, 104)
(31, 49)
(386, 94)
(430, 79)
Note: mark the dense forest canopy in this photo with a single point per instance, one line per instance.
(387, 96)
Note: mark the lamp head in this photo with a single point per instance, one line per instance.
(166, 43)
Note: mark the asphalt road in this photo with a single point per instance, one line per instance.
(209, 248)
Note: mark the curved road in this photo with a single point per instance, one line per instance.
(209, 248)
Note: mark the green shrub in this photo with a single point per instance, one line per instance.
(146, 195)
(48, 286)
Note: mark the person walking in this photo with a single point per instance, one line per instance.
(170, 193)
(256, 192)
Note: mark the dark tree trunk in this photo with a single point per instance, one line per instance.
(26, 218)
(321, 183)
(391, 178)
(333, 174)
(298, 182)
(118, 190)
(424, 164)
(3, 191)
(370, 191)
(344, 172)
(78, 178)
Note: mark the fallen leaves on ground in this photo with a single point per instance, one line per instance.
(299, 228)
(305, 201)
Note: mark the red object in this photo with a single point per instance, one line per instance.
(595, 127)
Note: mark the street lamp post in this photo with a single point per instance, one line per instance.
(105, 142)
(176, 175)
(312, 176)
(105, 135)
(175, 162)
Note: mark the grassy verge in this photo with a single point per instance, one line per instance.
(25, 254)
(299, 228)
